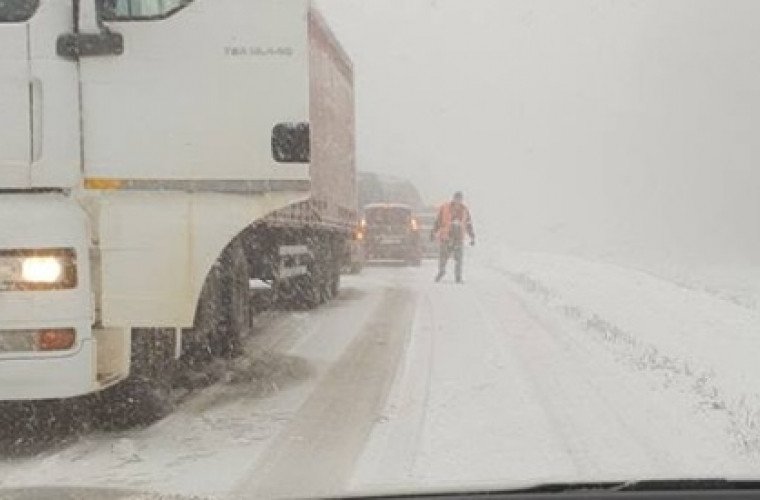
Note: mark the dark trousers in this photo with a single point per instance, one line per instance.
(449, 248)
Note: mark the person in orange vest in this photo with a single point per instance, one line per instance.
(450, 226)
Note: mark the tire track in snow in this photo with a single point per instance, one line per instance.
(700, 380)
(214, 437)
(392, 451)
(568, 444)
(658, 426)
(428, 383)
(663, 458)
(481, 423)
(566, 397)
(316, 454)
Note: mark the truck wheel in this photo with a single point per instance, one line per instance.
(146, 395)
(320, 283)
(131, 403)
(225, 309)
(32, 427)
(332, 274)
(335, 284)
(299, 292)
(310, 291)
(356, 268)
(241, 305)
(330, 282)
(313, 288)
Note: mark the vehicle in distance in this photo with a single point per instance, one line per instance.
(357, 252)
(390, 232)
(139, 196)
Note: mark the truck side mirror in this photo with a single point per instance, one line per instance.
(291, 143)
(90, 37)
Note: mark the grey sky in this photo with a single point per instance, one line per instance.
(633, 121)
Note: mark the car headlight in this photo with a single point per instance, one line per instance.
(38, 269)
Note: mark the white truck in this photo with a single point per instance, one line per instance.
(155, 156)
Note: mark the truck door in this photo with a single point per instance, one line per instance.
(15, 135)
(197, 91)
(39, 97)
(137, 106)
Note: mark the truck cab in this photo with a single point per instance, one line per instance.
(146, 144)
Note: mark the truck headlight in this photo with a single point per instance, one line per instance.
(38, 269)
(41, 269)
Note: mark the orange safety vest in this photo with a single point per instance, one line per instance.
(446, 217)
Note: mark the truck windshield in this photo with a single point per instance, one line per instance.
(16, 11)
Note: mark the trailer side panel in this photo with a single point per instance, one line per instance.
(331, 117)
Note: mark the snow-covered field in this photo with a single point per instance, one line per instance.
(700, 330)
(540, 368)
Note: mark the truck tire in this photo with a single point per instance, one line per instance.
(131, 403)
(225, 310)
(309, 291)
(146, 395)
(321, 282)
(356, 268)
(335, 284)
(31, 427)
(332, 262)
(312, 289)
(334, 265)
(241, 311)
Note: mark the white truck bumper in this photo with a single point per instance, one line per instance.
(50, 377)
(31, 222)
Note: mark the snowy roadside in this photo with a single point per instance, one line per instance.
(214, 438)
(739, 285)
(699, 338)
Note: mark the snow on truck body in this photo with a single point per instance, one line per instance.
(137, 151)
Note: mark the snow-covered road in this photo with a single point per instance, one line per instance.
(402, 383)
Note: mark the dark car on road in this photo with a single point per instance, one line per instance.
(391, 232)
